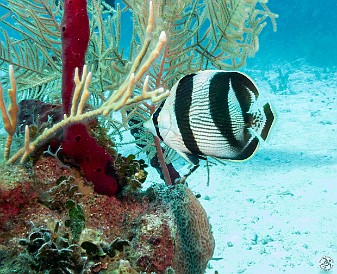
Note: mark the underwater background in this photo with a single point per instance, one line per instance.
(276, 212)
(305, 30)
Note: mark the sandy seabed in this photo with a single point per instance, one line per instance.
(276, 212)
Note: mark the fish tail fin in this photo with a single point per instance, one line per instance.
(262, 121)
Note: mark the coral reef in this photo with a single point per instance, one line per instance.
(37, 115)
(48, 251)
(149, 231)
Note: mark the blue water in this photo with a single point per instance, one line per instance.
(305, 29)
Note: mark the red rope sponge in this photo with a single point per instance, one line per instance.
(96, 163)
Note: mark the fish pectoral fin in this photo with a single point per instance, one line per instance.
(191, 158)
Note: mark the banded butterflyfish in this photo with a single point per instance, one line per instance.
(212, 113)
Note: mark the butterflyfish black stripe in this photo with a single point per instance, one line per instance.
(218, 98)
(155, 119)
(269, 120)
(182, 109)
(241, 86)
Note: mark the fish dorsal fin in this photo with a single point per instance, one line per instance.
(245, 90)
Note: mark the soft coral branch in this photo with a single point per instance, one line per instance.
(9, 117)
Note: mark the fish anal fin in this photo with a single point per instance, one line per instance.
(249, 150)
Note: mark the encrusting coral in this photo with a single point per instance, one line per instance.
(194, 239)
(153, 230)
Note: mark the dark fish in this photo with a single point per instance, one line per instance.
(212, 113)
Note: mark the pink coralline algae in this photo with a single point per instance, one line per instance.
(14, 197)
